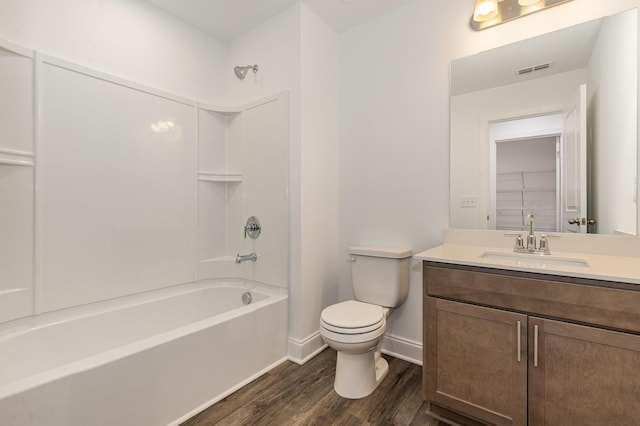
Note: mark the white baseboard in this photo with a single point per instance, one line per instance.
(301, 351)
(399, 347)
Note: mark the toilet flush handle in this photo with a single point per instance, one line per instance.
(351, 258)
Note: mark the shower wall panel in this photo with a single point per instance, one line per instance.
(243, 159)
(117, 187)
(137, 189)
(219, 191)
(17, 164)
(265, 185)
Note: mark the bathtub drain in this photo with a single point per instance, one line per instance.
(246, 298)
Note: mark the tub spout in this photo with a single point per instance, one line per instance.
(244, 257)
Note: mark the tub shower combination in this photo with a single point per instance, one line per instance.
(128, 292)
(149, 359)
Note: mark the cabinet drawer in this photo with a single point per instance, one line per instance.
(576, 299)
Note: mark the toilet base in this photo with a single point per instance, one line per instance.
(358, 375)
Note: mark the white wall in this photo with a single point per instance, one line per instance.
(274, 46)
(126, 38)
(296, 51)
(394, 127)
(319, 181)
(613, 114)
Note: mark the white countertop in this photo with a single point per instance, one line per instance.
(600, 267)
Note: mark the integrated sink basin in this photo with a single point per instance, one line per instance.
(535, 260)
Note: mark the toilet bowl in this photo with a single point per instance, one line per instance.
(355, 329)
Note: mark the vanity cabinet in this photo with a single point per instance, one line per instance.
(517, 348)
(473, 362)
(583, 375)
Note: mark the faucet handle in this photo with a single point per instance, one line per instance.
(519, 243)
(544, 244)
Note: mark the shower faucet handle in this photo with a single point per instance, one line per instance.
(252, 229)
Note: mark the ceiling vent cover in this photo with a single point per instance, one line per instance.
(534, 68)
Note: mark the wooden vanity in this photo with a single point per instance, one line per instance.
(505, 347)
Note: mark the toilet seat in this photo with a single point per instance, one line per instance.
(352, 317)
(352, 339)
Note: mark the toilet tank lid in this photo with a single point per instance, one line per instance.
(390, 252)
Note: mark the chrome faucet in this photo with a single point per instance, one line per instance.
(531, 240)
(244, 257)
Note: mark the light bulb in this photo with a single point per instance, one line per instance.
(485, 10)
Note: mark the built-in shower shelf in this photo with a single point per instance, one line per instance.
(11, 162)
(13, 157)
(219, 177)
(222, 110)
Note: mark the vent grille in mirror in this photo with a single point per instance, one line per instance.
(534, 68)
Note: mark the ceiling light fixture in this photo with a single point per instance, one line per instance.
(489, 13)
(527, 2)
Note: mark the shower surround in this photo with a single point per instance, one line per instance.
(138, 191)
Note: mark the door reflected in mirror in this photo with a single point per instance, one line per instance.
(547, 126)
(525, 173)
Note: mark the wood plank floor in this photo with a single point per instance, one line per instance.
(292, 394)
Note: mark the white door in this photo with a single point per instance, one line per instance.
(574, 164)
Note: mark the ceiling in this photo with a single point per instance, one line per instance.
(227, 19)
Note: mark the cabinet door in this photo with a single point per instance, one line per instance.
(582, 375)
(475, 361)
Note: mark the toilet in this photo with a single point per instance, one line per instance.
(354, 328)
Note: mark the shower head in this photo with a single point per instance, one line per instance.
(241, 72)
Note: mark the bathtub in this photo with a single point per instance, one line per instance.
(151, 359)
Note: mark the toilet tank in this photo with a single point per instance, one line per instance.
(380, 275)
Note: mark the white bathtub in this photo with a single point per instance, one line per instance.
(150, 359)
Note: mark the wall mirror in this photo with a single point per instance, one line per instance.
(548, 126)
